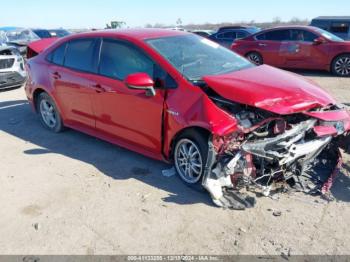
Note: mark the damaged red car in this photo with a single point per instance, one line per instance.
(225, 123)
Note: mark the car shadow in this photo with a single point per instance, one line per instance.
(341, 186)
(316, 73)
(17, 119)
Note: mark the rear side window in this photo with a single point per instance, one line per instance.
(118, 60)
(241, 34)
(227, 35)
(57, 56)
(277, 35)
(82, 54)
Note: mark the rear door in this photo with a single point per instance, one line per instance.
(272, 45)
(72, 77)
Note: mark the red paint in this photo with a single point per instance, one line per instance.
(139, 80)
(37, 47)
(325, 131)
(270, 89)
(294, 54)
(108, 109)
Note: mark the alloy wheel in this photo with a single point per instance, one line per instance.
(342, 66)
(254, 58)
(48, 114)
(188, 161)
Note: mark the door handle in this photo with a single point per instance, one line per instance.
(56, 75)
(98, 88)
(262, 44)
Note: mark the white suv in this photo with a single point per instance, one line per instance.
(12, 71)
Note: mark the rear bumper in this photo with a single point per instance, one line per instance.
(11, 79)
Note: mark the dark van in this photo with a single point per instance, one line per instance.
(338, 25)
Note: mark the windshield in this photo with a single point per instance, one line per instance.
(195, 57)
(22, 35)
(329, 35)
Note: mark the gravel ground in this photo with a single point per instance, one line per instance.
(70, 193)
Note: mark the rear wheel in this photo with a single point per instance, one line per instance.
(255, 58)
(341, 65)
(190, 156)
(48, 112)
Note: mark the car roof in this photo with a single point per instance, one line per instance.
(332, 18)
(312, 28)
(136, 34)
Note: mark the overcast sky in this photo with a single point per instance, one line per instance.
(95, 14)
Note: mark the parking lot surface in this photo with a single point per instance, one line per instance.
(70, 193)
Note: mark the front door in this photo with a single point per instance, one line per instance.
(304, 53)
(122, 113)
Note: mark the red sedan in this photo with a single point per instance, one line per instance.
(224, 122)
(299, 47)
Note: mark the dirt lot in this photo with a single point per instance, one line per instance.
(70, 193)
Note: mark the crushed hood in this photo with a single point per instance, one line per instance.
(270, 89)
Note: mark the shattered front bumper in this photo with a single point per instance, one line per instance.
(305, 157)
(11, 79)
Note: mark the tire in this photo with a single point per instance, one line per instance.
(341, 66)
(255, 58)
(49, 114)
(196, 145)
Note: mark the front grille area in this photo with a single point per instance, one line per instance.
(10, 79)
(6, 63)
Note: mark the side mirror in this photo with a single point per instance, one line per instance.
(319, 41)
(141, 81)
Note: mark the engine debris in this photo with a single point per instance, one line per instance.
(270, 154)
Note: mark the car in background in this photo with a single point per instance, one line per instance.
(337, 25)
(19, 38)
(59, 32)
(12, 71)
(42, 33)
(239, 126)
(298, 47)
(225, 36)
(203, 33)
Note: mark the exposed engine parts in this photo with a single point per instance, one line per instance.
(270, 152)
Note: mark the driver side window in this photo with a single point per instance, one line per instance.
(118, 60)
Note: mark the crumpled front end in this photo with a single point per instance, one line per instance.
(272, 153)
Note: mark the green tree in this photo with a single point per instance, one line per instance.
(115, 24)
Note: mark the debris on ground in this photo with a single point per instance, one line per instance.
(144, 197)
(277, 213)
(241, 229)
(145, 210)
(169, 172)
(36, 226)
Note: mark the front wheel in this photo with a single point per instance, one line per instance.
(341, 66)
(190, 156)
